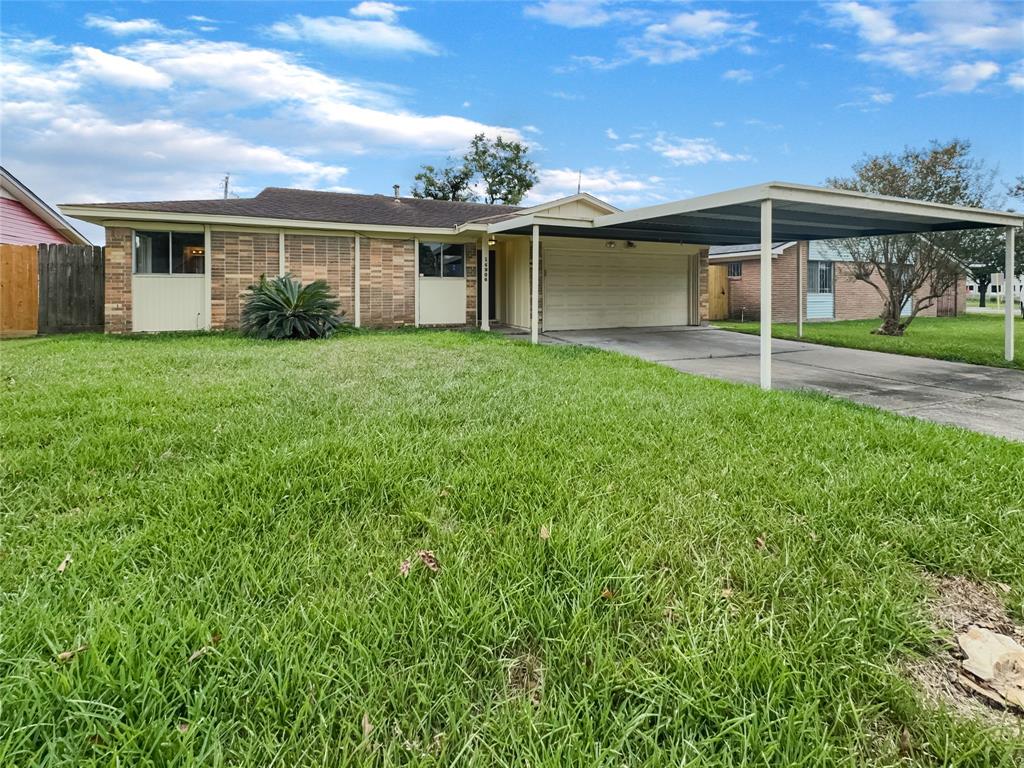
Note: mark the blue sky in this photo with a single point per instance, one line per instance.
(651, 101)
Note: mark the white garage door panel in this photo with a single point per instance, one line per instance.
(609, 289)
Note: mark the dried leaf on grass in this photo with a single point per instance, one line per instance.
(545, 533)
(64, 563)
(426, 556)
(404, 568)
(997, 662)
(183, 727)
(759, 542)
(214, 639)
(607, 594)
(65, 656)
(367, 725)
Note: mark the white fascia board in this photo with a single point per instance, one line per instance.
(796, 193)
(96, 216)
(861, 201)
(570, 199)
(518, 222)
(22, 194)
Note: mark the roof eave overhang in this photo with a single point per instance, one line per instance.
(105, 215)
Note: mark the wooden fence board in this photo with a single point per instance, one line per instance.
(19, 299)
(70, 288)
(718, 292)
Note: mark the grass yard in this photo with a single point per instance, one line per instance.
(729, 577)
(966, 339)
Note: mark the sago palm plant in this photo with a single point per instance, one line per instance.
(284, 308)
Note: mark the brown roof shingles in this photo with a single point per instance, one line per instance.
(341, 207)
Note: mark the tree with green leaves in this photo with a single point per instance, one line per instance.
(917, 268)
(502, 166)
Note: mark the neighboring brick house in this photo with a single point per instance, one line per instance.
(391, 261)
(829, 290)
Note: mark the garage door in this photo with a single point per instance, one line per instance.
(613, 288)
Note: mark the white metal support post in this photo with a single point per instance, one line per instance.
(483, 271)
(800, 295)
(1008, 295)
(766, 294)
(535, 287)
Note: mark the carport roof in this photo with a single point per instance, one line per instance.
(798, 213)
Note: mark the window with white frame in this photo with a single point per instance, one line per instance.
(735, 269)
(819, 277)
(442, 260)
(170, 253)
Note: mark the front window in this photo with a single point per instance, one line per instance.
(819, 277)
(170, 253)
(442, 260)
(735, 269)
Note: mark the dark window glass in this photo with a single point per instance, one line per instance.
(819, 277)
(430, 259)
(736, 269)
(454, 261)
(188, 251)
(152, 253)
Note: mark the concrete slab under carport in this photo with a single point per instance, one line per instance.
(978, 398)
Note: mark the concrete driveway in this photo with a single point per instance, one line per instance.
(976, 397)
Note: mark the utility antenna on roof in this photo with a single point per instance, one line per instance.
(227, 180)
(579, 181)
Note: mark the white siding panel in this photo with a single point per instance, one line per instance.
(442, 300)
(820, 306)
(168, 302)
(598, 287)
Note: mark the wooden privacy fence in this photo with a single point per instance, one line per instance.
(718, 292)
(50, 288)
(19, 291)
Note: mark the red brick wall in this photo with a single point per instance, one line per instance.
(387, 282)
(745, 291)
(324, 257)
(117, 281)
(238, 259)
(856, 300)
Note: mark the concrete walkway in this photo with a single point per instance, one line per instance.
(975, 397)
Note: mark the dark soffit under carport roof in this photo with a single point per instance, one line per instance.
(798, 213)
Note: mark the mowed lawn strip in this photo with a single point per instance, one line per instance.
(731, 577)
(966, 339)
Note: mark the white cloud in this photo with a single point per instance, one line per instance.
(626, 147)
(699, 151)
(609, 184)
(963, 77)
(881, 97)
(377, 35)
(937, 41)
(1016, 77)
(738, 75)
(117, 70)
(386, 12)
(611, 134)
(707, 24)
(577, 14)
(202, 19)
(126, 27)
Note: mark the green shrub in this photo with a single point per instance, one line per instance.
(284, 308)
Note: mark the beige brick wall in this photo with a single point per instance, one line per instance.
(117, 281)
(856, 300)
(237, 260)
(703, 305)
(473, 256)
(324, 257)
(387, 282)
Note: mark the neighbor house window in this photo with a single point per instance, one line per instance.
(170, 253)
(819, 277)
(735, 269)
(442, 260)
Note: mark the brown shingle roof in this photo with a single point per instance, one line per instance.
(341, 207)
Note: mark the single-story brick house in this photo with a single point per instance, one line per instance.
(829, 290)
(391, 260)
(573, 263)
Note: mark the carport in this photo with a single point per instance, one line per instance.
(762, 213)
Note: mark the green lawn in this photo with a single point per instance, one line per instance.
(967, 339)
(237, 513)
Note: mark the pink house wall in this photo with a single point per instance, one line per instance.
(19, 226)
